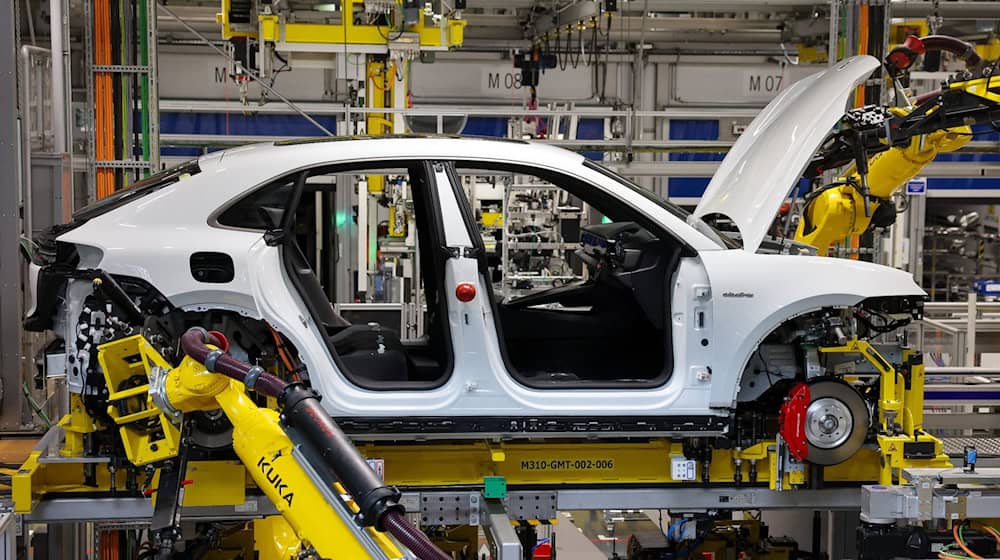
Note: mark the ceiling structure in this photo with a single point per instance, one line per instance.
(678, 25)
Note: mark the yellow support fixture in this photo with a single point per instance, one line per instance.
(890, 386)
(147, 433)
(350, 33)
(894, 460)
(229, 30)
(978, 88)
(525, 463)
(212, 483)
(913, 392)
(36, 478)
(269, 28)
(900, 415)
(273, 28)
(493, 219)
(811, 54)
(379, 83)
(75, 424)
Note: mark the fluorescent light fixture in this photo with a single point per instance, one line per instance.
(327, 7)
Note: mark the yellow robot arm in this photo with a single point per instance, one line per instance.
(889, 147)
(838, 213)
(300, 459)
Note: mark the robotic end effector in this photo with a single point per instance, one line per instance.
(889, 146)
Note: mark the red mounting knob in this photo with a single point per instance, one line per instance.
(223, 341)
(465, 292)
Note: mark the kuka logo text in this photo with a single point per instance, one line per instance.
(275, 479)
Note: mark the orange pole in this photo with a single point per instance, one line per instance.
(103, 125)
(859, 99)
(107, 102)
(99, 95)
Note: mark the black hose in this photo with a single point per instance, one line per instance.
(194, 341)
(412, 538)
(301, 410)
(958, 47)
(378, 504)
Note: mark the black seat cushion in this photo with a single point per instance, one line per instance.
(373, 353)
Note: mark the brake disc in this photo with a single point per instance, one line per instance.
(836, 421)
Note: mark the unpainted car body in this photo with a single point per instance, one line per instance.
(721, 303)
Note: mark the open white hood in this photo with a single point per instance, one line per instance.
(769, 158)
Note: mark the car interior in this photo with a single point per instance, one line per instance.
(370, 354)
(607, 328)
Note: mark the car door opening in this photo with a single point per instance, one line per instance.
(371, 352)
(580, 287)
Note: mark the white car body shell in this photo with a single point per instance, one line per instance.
(743, 296)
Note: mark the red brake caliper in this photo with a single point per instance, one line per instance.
(792, 421)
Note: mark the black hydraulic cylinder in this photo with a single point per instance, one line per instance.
(303, 417)
(301, 410)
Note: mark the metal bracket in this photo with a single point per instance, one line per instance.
(166, 520)
(450, 508)
(525, 506)
(124, 69)
(500, 534)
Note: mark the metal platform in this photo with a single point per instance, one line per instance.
(82, 510)
(542, 504)
(986, 447)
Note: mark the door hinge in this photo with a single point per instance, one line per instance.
(274, 237)
(463, 252)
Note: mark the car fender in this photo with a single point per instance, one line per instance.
(753, 294)
(160, 254)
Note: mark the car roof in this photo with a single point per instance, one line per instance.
(274, 158)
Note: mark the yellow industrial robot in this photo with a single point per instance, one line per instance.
(890, 146)
(299, 458)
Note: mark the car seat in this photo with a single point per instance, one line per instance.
(367, 352)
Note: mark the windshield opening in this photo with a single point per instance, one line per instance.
(705, 229)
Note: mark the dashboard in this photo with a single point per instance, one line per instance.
(618, 245)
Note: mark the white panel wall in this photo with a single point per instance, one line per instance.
(202, 75)
(470, 78)
(497, 80)
(726, 83)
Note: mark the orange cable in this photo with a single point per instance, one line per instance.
(987, 529)
(280, 346)
(103, 127)
(954, 532)
(859, 99)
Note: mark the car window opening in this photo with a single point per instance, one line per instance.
(580, 289)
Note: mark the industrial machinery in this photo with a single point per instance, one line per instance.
(703, 536)
(478, 372)
(297, 456)
(930, 514)
(888, 146)
(678, 359)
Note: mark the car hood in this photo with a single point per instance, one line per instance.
(769, 157)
